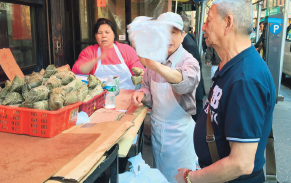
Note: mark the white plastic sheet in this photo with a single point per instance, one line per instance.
(140, 172)
(150, 38)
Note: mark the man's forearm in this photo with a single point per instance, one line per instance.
(222, 171)
(239, 162)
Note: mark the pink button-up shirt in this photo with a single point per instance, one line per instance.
(184, 91)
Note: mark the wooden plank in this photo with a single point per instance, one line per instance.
(128, 138)
(93, 169)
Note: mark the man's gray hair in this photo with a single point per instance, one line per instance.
(242, 11)
(186, 23)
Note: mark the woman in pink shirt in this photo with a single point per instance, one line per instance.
(108, 57)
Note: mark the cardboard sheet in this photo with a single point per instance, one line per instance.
(9, 65)
(123, 100)
(105, 115)
(84, 163)
(34, 159)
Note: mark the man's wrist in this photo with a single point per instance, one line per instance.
(186, 176)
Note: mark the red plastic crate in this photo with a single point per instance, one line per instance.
(94, 104)
(35, 122)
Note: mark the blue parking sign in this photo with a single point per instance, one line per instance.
(275, 28)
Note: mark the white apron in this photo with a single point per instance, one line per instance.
(121, 70)
(172, 131)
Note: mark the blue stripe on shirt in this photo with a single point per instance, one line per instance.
(242, 140)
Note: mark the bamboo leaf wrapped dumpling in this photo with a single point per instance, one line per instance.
(17, 84)
(42, 72)
(25, 91)
(137, 71)
(37, 94)
(71, 98)
(82, 92)
(13, 98)
(136, 80)
(74, 85)
(34, 80)
(56, 101)
(53, 82)
(66, 77)
(26, 104)
(96, 91)
(15, 105)
(43, 105)
(50, 70)
(7, 83)
(93, 81)
(5, 90)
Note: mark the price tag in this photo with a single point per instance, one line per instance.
(9, 65)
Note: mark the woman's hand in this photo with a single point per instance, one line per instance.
(180, 176)
(137, 98)
(88, 66)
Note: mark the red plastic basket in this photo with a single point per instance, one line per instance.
(95, 103)
(35, 122)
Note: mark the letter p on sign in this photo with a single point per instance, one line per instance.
(275, 28)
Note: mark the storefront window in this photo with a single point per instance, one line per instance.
(91, 10)
(16, 32)
(149, 8)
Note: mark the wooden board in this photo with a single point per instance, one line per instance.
(34, 159)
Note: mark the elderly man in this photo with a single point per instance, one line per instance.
(240, 104)
(170, 89)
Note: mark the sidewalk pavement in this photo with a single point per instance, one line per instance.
(281, 127)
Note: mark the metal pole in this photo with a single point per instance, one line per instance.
(286, 8)
(197, 22)
(200, 27)
(176, 6)
(258, 19)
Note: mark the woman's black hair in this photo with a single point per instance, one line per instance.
(102, 21)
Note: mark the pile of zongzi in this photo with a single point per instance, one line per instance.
(50, 89)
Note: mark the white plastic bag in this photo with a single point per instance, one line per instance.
(140, 172)
(82, 118)
(150, 38)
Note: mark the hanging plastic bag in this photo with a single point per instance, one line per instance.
(140, 172)
(150, 38)
(82, 118)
